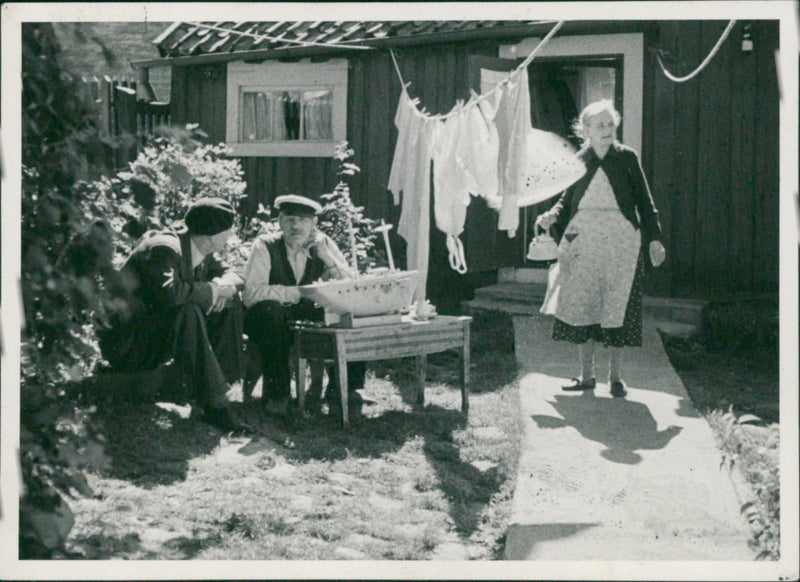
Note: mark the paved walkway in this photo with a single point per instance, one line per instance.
(613, 479)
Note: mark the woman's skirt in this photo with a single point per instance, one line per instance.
(596, 288)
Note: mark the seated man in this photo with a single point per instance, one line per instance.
(278, 264)
(184, 305)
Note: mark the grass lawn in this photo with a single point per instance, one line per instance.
(731, 373)
(402, 484)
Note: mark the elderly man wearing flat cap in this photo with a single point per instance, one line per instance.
(279, 263)
(184, 305)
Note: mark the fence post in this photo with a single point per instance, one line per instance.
(125, 107)
(106, 105)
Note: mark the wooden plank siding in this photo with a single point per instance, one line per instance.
(713, 161)
(661, 176)
(766, 160)
(710, 152)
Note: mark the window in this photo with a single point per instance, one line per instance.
(286, 109)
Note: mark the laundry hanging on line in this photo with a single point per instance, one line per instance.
(481, 148)
(410, 177)
(485, 148)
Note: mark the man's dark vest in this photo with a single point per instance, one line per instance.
(281, 271)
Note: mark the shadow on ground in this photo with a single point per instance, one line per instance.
(150, 446)
(622, 426)
(527, 536)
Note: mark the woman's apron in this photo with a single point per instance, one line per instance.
(591, 282)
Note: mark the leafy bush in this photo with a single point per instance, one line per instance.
(65, 249)
(173, 169)
(67, 281)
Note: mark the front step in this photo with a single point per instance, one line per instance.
(527, 298)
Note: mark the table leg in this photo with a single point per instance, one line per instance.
(341, 375)
(420, 365)
(465, 354)
(300, 379)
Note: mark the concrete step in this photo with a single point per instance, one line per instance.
(512, 307)
(513, 292)
(516, 297)
(688, 311)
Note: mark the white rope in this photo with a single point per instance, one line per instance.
(260, 37)
(475, 100)
(455, 249)
(705, 62)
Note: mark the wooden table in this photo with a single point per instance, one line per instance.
(380, 342)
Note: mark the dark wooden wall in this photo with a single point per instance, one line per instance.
(438, 76)
(710, 150)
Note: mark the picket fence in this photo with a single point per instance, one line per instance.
(122, 114)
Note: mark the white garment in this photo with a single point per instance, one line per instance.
(552, 167)
(407, 122)
(410, 175)
(480, 160)
(513, 121)
(450, 194)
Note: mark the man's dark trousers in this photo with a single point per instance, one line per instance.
(267, 326)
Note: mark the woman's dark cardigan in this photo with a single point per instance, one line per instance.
(621, 165)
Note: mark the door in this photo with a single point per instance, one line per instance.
(559, 88)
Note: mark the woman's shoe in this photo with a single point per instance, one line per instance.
(618, 389)
(579, 386)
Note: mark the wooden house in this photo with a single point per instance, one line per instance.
(709, 146)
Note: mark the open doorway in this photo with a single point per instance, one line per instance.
(560, 87)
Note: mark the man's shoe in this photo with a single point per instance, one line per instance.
(225, 419)
(579, 386)
(618, 389)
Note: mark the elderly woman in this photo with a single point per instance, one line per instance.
(607, 218)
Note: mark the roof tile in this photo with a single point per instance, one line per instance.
(195, 38)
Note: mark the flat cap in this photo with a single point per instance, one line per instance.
(297, 205)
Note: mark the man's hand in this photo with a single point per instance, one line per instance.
(224, 294)
(320, 242)
(292, 295)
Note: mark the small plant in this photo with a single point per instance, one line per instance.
(756, 459)
(339, 214)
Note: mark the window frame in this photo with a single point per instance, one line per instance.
(278, 76)
(630, 46)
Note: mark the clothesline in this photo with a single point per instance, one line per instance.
(475, 100)
(702, 65)
(260, 37)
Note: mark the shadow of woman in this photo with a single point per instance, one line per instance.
(623, 426)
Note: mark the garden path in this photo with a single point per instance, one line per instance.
(602, 478)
